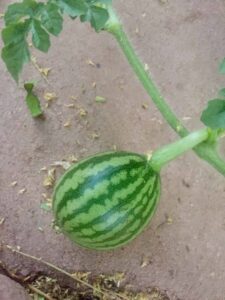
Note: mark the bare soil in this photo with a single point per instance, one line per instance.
(182, 41)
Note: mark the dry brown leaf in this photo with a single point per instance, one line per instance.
(186, 118)
(40, 229)
(95, 135)
(44, 195)
(72, 158)
(45, 71)
(81, 275)
(2, 220)
(90, 63)
(34, 59)
(145, 262)
(49, 180)
(22, 191)
(137, 30)
(169, 220)
(70, 105)
(50, 96)
(73, 97)
(67, 124)
(144, 106)
(65, 164)
(146, 67)
(82, 112)
(44, 169)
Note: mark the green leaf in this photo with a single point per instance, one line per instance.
(40, 37)
(14, 33)
(15, 12)
(15, 55)
(214, 115)
(73, 8)
(99, 1)
(99, 17)
(51, 19)
(18, 11)
(32, 101)
(222, 67)
(222, 93)
(105, 1)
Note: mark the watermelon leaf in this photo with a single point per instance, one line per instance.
(40, 37)
(74, 8)
(15, 12)
(214, 115)
(99, 17)
(32, 101)
(51, 19)
(42, 19)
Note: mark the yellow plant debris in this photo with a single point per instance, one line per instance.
(49, 180)
(49, 96)
(22, 191)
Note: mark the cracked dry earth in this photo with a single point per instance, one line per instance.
(182, 41)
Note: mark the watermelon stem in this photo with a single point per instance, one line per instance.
(162, 156)
(204, 151)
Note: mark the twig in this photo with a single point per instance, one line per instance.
(35, 64)
(66, 273)
(39, 292)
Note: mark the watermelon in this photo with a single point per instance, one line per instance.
(106, 200)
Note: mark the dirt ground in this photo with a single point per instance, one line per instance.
(182, 41)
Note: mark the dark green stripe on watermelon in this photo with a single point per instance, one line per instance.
(91, 181)
(105, 200)
(122, 226)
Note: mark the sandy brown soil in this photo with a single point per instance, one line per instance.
(182, 41)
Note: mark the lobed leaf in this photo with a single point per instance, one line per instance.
(74, 8)
(105, 1)
(14, 33)
(15, 12)
(15, 53)
(40, 37)
(51, 19)
(42, 19)
(99, 17)
(18, 11)
(214, 115)
(15, 56)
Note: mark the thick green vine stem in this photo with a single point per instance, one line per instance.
(169, 152)
(205, 150)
